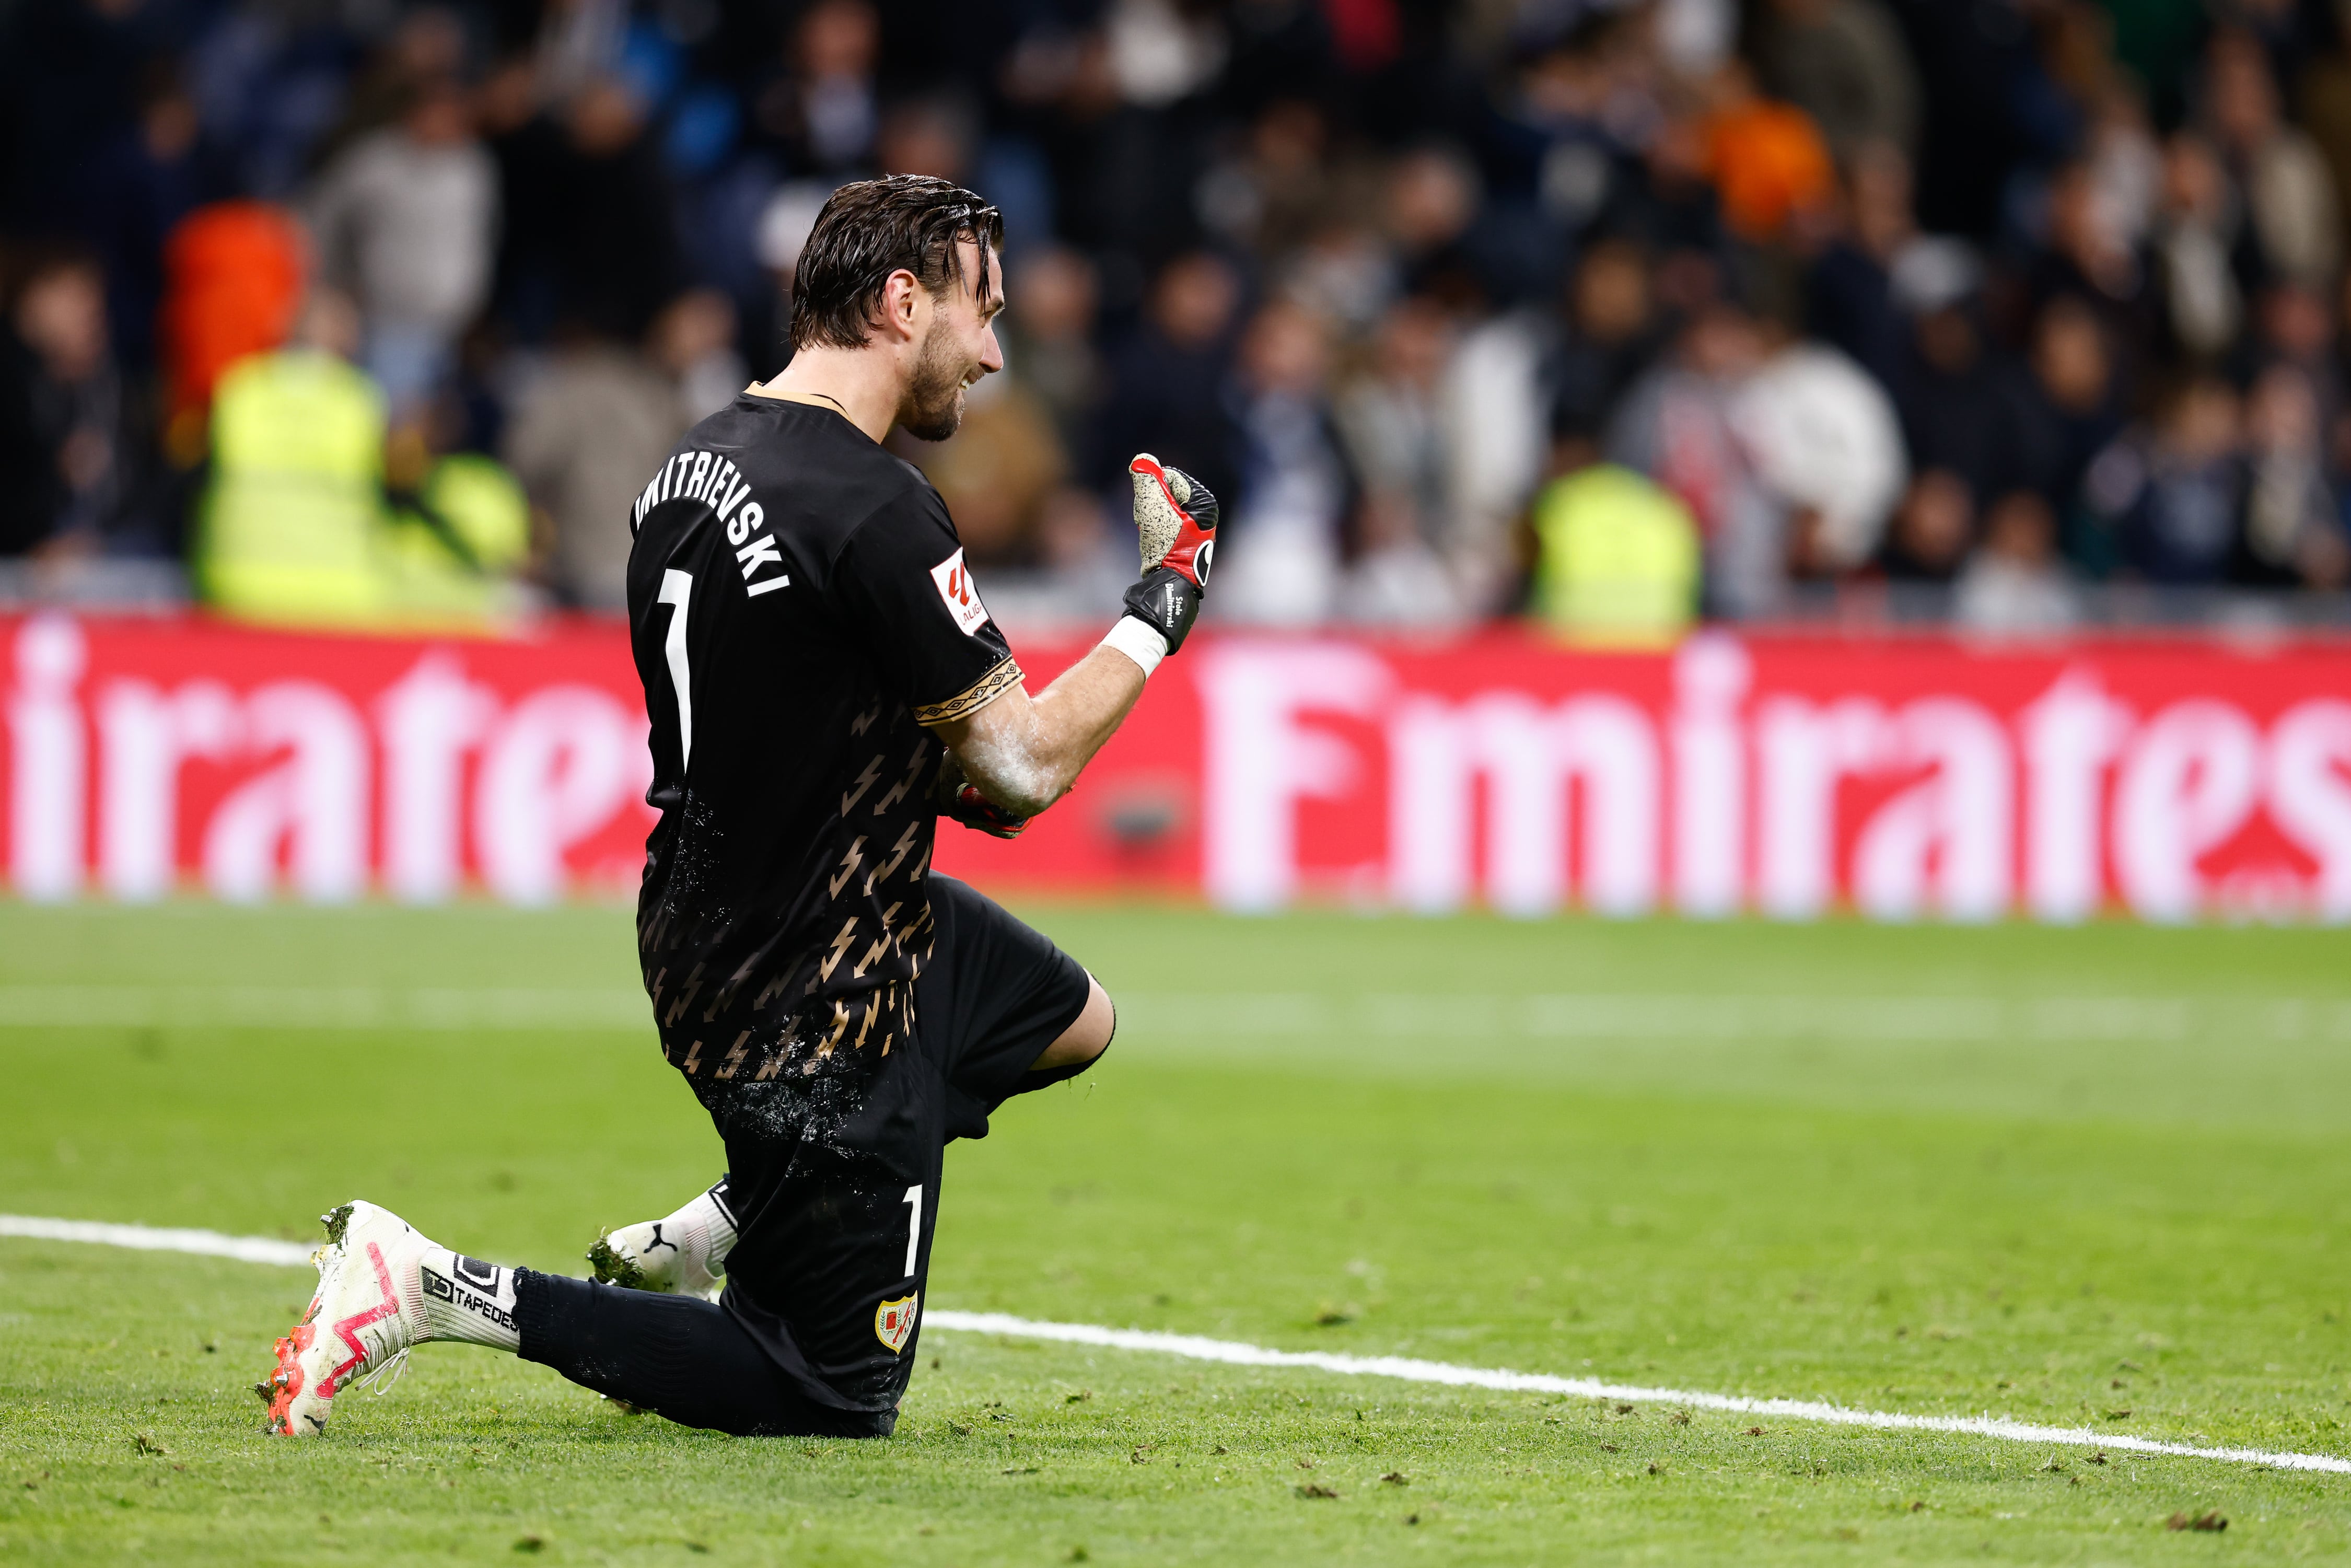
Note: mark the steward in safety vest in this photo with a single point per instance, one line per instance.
(296, 527)
(1618, 560)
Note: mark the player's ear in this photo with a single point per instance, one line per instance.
(891, 311)
(899, 299)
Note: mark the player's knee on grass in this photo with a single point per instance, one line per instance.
(1084, 1041)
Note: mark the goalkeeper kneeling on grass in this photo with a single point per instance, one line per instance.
(824, 684)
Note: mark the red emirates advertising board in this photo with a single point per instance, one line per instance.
(1902, 779)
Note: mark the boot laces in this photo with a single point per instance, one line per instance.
(379, 1379)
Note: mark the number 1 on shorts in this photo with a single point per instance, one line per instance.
(914, 1202)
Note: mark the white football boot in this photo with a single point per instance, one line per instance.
(367, 1311)
(684, 1255)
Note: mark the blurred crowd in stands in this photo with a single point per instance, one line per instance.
(2024, 312)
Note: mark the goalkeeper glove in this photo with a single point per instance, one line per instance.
(1175, 522)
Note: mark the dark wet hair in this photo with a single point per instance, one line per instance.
(868, 230)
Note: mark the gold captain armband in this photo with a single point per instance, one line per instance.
(974, 697)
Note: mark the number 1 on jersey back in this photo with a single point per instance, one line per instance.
(677, 588)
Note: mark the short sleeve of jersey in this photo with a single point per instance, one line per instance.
(908, 598)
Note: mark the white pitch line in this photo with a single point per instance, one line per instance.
(1233, 1352)
(147, 1239)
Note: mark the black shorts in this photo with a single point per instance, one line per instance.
(833, 1227)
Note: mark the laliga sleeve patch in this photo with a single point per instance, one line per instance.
(959, 595)
(895, 1321)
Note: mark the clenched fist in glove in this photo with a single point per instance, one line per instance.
(1176, 519)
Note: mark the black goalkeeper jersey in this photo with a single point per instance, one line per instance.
(798, 608)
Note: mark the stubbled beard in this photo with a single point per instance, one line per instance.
(933, 409)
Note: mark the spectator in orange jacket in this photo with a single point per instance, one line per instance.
(1767, 160)
(233, 277)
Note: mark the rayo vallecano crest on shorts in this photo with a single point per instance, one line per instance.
(893, 1320)
(961, 597)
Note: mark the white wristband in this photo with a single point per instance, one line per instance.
(1139, 641)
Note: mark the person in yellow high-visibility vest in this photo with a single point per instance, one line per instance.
(1618, 560)
(289, 527)
(295, 529)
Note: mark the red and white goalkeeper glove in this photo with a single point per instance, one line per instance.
(1175, 519)
(1175, 523)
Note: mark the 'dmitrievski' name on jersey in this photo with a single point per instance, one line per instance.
(713, 481)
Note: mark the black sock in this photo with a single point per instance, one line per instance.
(680, 1356)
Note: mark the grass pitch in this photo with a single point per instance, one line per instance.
(2092, 1177)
